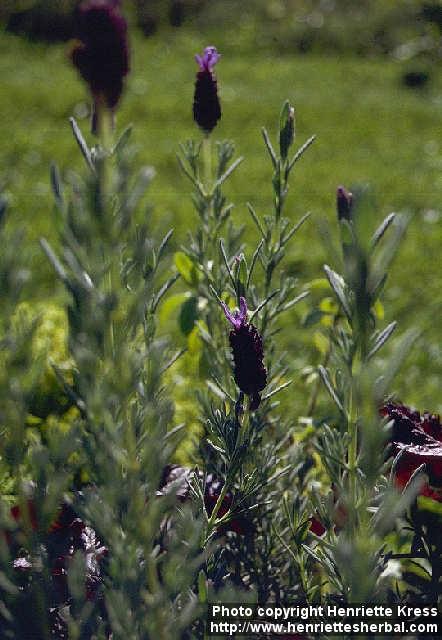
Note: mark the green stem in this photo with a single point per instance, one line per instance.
(211, 523)
(207, 161)
(105, 187)
(244, 422)
(217, 507)
(352, 426)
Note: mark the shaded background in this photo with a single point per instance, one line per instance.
(364, 77)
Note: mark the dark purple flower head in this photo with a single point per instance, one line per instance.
(247, 348)
(206, 105)
(344, 202)
(102, 55)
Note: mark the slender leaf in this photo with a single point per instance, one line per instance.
(382, 229)
(277, 390)
(291, 303)
(166, 286)
(227, 173)
(82, 144)
(388, 252)
(294, 229)
(270, 149)
(123, 139)
(58, 267)
(173, 359)
(337, 284)
(382, 339)
(164, 243)
(226, 262)
(256, 220)
(254, 258)
(301, 152)
(329, 386)
(263, 303)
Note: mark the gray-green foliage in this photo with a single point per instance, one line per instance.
(110, 464)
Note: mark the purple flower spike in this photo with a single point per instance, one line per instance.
(209, 59)
(247, 349)
(237, 318)
(206, 104)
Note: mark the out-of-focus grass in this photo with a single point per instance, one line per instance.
(369, 129)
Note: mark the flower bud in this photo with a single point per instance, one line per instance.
(247, 349)
(286, 129)
(344, 202)
(206, 105)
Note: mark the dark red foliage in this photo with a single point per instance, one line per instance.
(66, 536)
(316, 526)
(102, 55)
(419, 438)
(17, 514)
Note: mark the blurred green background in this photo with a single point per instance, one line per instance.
(364, 77)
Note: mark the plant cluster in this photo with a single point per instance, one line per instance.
(118, 520)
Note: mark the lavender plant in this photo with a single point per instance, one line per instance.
(362, 505)
(106, 565)
(242, 456)
(104, 534)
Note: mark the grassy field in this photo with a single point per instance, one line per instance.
(369, 128)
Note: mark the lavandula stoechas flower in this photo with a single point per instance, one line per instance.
(102, 54)
(246, 343)
(344, 202)
(206, 105)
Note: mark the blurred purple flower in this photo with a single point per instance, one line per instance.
(247, 348)
(206, 105)
(102, 54)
